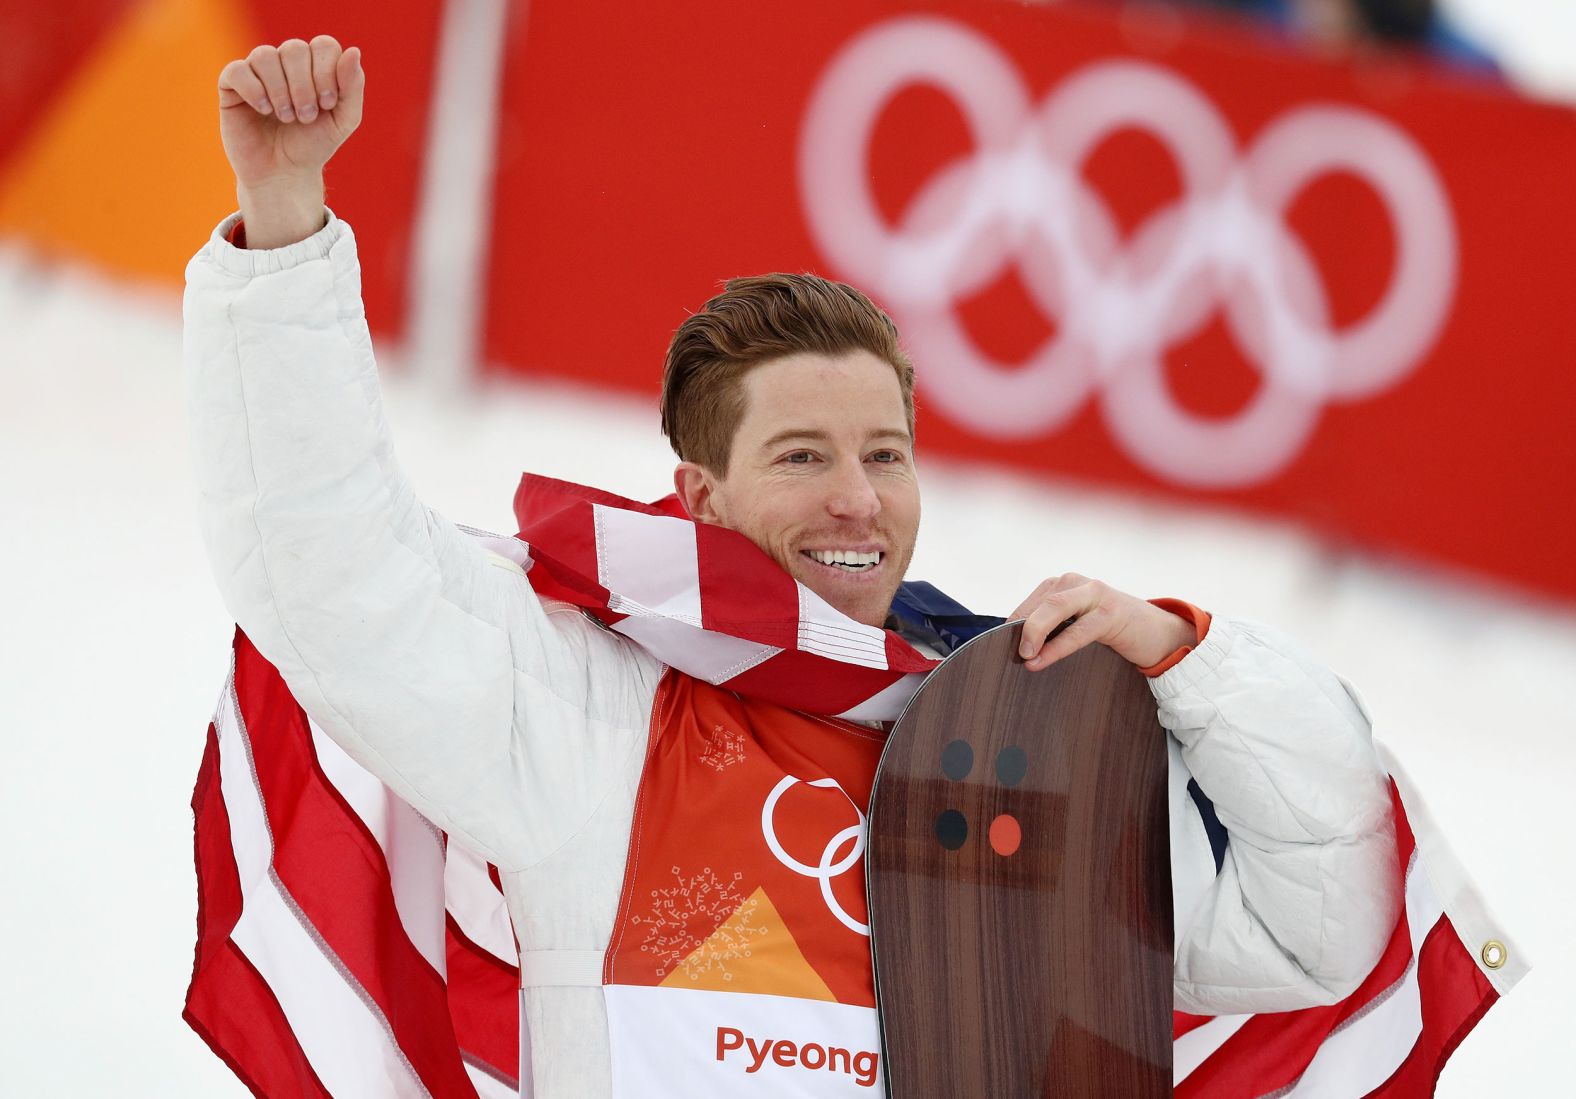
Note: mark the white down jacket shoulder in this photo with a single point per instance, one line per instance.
(519, 727)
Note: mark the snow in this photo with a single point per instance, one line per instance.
(114, 645)
(1533, 40)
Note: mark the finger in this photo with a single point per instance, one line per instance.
(264, 63)
(325, 60)
(1038, 628)
(1037, 625)
(1082, 632)
(239, 84)
(296, 56)
(352, 88)
(1051, 611)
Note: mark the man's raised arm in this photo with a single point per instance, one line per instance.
(432, 663)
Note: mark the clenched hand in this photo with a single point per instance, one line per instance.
(283, 112)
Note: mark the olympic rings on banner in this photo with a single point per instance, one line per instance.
(830, 866)
(1118, 306)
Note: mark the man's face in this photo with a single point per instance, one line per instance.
(821, 477)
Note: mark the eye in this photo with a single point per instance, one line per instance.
(886, 456)
(799, 458)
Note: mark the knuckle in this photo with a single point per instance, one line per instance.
(325, 42)
(293, 46)
(261, 53)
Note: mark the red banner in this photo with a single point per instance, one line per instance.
(1166, 256)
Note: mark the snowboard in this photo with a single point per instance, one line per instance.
(1019, 881)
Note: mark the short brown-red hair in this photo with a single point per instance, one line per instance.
(755, 320)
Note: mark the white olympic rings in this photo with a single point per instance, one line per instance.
(830, 865)
(1021, 199)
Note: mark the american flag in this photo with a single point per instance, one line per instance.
(344, 948)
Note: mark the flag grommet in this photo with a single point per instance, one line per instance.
(1494, 954)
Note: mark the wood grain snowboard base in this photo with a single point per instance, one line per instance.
(1020, 881)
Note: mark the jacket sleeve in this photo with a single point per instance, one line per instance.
(431, 662)
(1298, 906)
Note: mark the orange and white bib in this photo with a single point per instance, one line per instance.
(740, 958)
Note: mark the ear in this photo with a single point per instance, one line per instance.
(697, 491)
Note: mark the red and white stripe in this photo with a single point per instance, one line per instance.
(709, 601)
(343, 948)
(1391, 1037)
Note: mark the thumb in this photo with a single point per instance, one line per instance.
(352, 83)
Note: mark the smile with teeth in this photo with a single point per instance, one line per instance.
(848, 560)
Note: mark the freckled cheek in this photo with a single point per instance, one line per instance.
(790, 508)
(774, 529)
(903, 513)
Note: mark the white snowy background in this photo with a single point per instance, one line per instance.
(113, 645)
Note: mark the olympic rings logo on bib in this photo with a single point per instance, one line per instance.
(830, 865)
(1225, 245)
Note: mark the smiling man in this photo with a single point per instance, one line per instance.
(680, 860)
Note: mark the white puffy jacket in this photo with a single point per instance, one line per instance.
(520, 728)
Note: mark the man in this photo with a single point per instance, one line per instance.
(612, 791)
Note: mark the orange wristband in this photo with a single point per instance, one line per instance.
(1200, 620)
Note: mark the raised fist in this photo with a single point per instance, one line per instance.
(285, 110)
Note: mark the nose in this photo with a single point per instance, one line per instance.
(853, 496)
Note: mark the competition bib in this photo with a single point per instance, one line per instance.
(740, 958)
